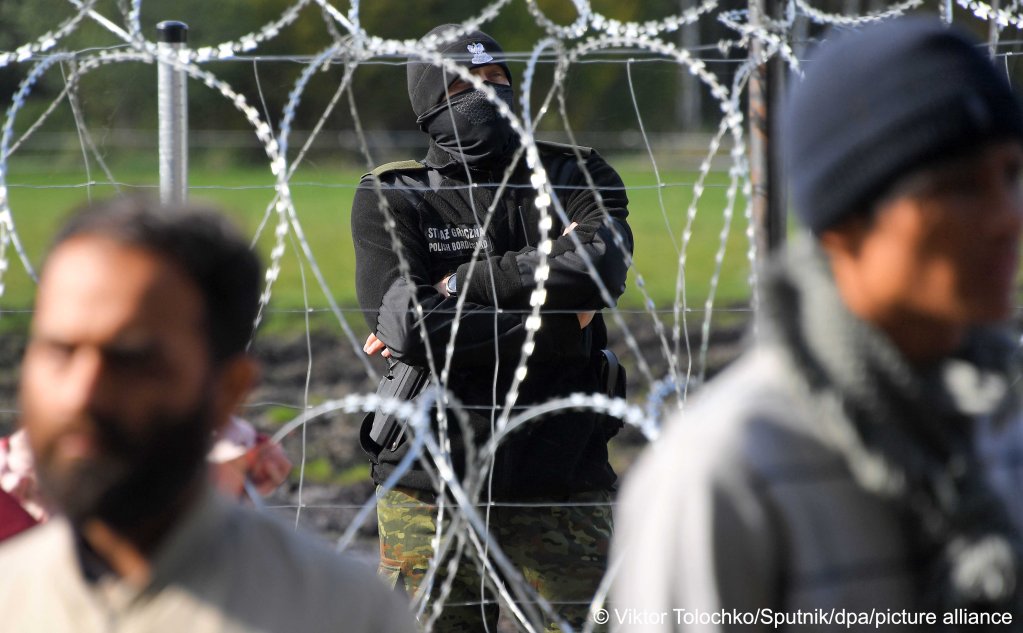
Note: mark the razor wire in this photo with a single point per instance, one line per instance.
(467, 499)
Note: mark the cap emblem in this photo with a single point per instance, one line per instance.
(479, 54)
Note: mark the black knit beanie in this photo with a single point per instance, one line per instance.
(879, 103)
(426, 82)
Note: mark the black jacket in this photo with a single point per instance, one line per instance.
(437, 218)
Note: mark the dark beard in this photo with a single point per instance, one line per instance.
(137, 476)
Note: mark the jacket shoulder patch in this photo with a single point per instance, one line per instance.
(401, 165)
(548, 147)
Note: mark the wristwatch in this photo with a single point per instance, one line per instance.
(451, 284)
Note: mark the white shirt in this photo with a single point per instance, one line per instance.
(223, 569)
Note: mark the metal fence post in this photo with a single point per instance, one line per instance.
(765, 92)
(173, 96)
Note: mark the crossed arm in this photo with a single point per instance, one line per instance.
(374, 345)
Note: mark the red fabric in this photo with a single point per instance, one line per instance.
(13, 518)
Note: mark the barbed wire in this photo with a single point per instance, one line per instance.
(591, 38)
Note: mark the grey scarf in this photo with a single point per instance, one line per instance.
(906, 433)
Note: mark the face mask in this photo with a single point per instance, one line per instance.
(469, 128)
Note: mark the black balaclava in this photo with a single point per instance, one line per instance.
(466, 128)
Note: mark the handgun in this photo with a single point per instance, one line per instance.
(402, 382)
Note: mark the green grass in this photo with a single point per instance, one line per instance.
(41, 195)
(322, 471)
(277, 416)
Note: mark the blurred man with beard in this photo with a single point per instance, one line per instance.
(136, 356)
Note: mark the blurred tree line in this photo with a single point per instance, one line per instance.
(124, 95)
(599, 89)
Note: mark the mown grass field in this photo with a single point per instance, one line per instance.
(41, 195)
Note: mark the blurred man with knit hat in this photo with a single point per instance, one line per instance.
(863, 456)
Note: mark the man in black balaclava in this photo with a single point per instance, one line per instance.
(459, 231)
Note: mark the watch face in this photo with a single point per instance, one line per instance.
(452, 284)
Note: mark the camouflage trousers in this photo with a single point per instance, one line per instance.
(560, 547)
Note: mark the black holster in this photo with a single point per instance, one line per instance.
(612, 385)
